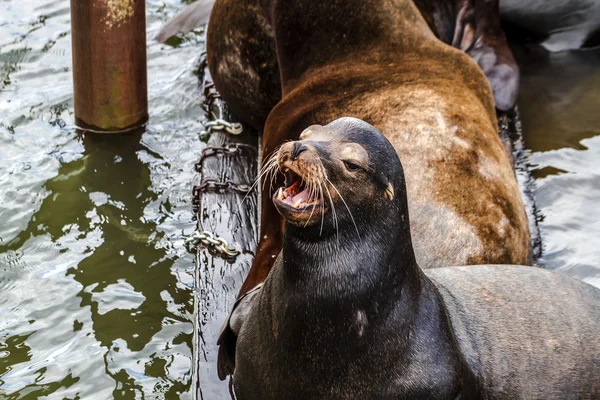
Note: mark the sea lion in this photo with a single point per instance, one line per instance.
(558, 25)
(379, 62)
(346, 312)
(470, 25)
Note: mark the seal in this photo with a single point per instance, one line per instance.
(381, 63)
(557, 25)
(346, 312)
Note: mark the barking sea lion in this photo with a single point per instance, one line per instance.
(288, 65)
(346, 312)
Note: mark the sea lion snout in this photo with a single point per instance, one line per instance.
(301, 155)
(299, 147)
(301, 200)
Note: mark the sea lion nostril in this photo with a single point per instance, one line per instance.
(297, 150)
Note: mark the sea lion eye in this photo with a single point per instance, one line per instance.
(350, 166)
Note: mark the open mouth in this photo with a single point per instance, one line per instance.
(296, 194)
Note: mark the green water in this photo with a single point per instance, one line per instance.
(96, 290)
(95, 287)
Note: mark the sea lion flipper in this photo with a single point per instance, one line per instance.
(226, 357)
(229, 331)
(191, 17)
(479, 34)
(502, 75)
(464, 31)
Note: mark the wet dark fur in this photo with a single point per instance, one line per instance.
(354, 317)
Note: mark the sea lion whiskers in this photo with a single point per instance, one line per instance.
(321, 184)
(311, 194)
(314, 182)
(347, 208)
(266, 168)
(317, 184)
(269, 167)
(272, 168)
(320, 175)
(317, 193)
(333, 212)
(322, 208)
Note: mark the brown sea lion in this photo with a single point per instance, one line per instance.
(346, 312)
(470, 25)
(379, 62)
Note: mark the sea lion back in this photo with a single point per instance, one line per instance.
(525, 332)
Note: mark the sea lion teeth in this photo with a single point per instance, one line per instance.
(280, 195)
(297, 203)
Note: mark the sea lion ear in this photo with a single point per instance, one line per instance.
(389, 192)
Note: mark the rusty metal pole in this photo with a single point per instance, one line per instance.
(109, 64)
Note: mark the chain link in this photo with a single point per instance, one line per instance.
(210, 151)
(210, 95)
(200, 238)
(210, 185)
(214, 244)
(234, 128)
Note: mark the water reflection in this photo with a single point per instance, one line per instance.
(95, 287)
(559, 97)
(559, 102)
(127, 276)
(91, 233)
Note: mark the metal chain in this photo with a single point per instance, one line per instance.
(210, 94)
(234, 128)
(210, 185)
(213, 186)
(210, 151)
(215, 245)
(200, 238)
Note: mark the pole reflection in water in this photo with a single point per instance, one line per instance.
(123, 323)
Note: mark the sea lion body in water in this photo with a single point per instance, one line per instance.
(346, 312)
(380, 62)
(559, 25)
